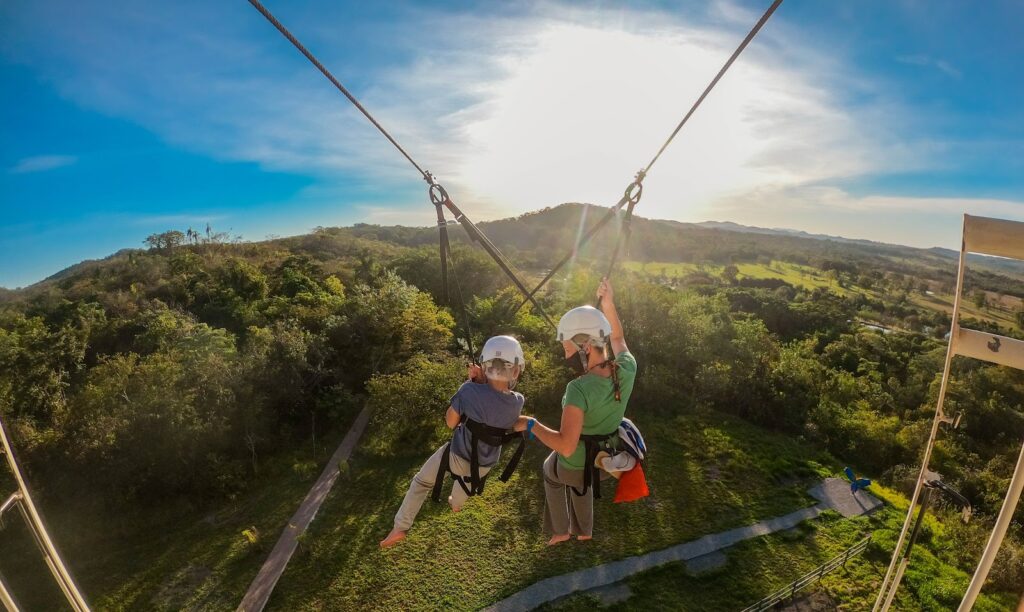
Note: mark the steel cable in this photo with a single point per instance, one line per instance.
(327, 73)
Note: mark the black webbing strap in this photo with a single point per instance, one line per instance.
(439, 196)
(446, 254)
(442, 469)
(513, 463)
(476, 484)
(442, 228)
(621, 242)
(478, 433)
(591, 473)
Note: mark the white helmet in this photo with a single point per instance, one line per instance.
(585, 320)
(503, 349)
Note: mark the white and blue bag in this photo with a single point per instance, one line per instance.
(630, 435)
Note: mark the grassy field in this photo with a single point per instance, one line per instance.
(756, 568)
(1000, 310)
(708, 473)
(794, 274)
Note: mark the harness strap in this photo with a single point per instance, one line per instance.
(516, 456)
(476, 486)
(442, 468)
(592, 444)
(478, 432)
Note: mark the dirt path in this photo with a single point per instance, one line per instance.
(263, 585)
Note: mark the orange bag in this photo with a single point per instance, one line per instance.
(632, 486)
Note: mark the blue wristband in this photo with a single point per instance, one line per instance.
(529, 428)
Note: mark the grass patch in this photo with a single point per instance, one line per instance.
(813, 278)
(794, 274)
(760, 566)
(708, 473)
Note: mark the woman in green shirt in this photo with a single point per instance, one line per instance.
(592, 408)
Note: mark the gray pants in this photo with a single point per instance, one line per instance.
(564, 511)
(423, 483)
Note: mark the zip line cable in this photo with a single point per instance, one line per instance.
(438, 195)
(635, 188)
(743, 45)
(465, 309)
(330, 77)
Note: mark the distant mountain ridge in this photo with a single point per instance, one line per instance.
(548, 233)
(1008, 265)
(781, 231)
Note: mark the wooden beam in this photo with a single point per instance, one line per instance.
(994, 237)
(990, 347)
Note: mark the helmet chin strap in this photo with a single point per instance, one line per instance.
(584, 359)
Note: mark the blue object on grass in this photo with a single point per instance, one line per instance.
(856, 484)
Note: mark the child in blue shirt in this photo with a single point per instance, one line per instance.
(492, 404)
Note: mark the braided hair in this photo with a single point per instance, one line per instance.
(611, 363)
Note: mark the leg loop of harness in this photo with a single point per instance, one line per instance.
(476, 485)
(514, 461)
(442, 470)
(591, 473)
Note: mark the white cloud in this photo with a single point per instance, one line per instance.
(914, 221)
(513, 112)
(519, 111)
(41, 163)
(921, 59)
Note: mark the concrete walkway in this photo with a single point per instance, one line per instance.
(833, 494)
(263, 585)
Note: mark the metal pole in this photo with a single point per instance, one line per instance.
(939, 417)
(6, 599)
(910, 545)
(996, 539)
(35, 521)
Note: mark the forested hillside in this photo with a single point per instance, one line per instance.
(163, 385)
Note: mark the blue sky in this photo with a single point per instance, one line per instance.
(878, 119)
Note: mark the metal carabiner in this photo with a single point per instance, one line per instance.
(635, 189)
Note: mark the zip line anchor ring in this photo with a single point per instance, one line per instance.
(438, 195)
(635, 189)
(633, 193)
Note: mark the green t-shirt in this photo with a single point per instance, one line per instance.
(595, 396)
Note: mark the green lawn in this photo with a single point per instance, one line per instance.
(708, 473)
(757, 567)
(812, 278)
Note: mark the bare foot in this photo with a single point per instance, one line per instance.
(454, 508)
(558, 539)
(393, 538)
(584, 538)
